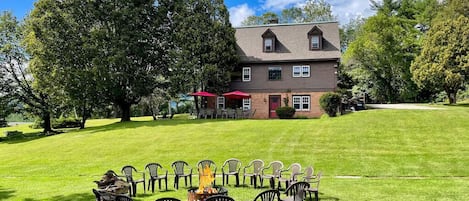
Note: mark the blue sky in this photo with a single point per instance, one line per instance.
(239, 9)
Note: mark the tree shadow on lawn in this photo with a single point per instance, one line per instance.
(6, 193)
(458, 105)
(113, 126)
(151, 123)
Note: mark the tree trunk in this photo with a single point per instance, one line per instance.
(84, 116)
(125, 109)
(451, 96)
(47, 124)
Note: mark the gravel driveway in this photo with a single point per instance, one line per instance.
(402, 106)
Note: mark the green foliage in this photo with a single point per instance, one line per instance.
(18, 81)
(285, 112)
(311, 11)
(62, 122)
(379, 58)
(330, 103)
(204, 51)
(443, 64)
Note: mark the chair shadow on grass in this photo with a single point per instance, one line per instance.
(6, 193)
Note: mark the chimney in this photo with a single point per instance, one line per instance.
(273, 21)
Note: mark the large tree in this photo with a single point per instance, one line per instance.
(443, 64)
(102, 50)
(16, 80)
(380, 56)
(204, 45)
(311, 11)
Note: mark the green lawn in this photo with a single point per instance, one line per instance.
(395, 154)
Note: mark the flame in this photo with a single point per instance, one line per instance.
(206, 179)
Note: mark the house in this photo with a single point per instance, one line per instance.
(286, 62)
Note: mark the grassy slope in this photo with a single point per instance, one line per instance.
(387, 148)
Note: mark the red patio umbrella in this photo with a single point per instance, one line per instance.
(237, 95)
(203, 93)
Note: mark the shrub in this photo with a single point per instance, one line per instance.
(61, 122)
(285, 112)
(329, 103)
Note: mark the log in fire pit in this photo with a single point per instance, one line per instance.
(205, 188)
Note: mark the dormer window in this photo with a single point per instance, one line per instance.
(268, 44)
(268, 41)
(315, 38)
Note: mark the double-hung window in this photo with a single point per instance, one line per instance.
(220, 102)
(301, 71)
(247, 104)
(246, 74)
(275, 73)
(301, 103)
(315, 42)
(268, 45)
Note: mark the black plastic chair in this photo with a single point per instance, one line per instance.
(128, 172)
(297, 191)
(153, 171)
(253, 170)
(234, 166)
(179, 168)
(268, 195)
(210, 164)
(315, 189)
(167, 199)
(219, 198)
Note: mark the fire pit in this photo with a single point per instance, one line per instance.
(205, 188)
(193, 195)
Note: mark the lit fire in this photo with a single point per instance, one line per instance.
(206, 179)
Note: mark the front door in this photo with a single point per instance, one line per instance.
(274, 103)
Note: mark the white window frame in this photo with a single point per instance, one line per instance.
(221, 101)
(315, 44)
(302, 71)
(247, 104)
(246, 71)
(302, 100)
(271, 45)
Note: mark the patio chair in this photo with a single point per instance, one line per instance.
(128, 172)
(167, 199)
(123, 198)
(253, 170)
(239, 114)
(202, 113)
(179, 168)
(275, 167)
(207, 163)
(153, 174)
(219, 198)
(209, 112)
(289, 175)
(296, 191)
(230, 113)
(268, 195)
(315, 189)
(309, 174)
(234, 166)
(219, 113)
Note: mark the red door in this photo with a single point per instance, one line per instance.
(274, 103)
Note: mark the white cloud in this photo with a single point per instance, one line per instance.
(240, 13)
(349, 9)
(277, 5)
